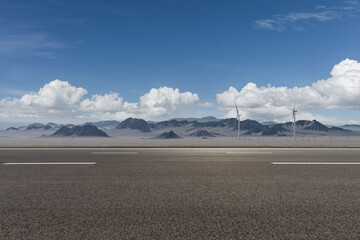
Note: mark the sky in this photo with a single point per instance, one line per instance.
(74, 61)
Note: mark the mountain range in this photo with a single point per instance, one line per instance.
(351, 127)
(203, 119)
(188, 127)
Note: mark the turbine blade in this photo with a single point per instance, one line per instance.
(237, 111)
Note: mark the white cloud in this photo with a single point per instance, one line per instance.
(206, 105)
(160, 102)
(298, 20)
(354, 122)
(55, 95)
(165, 101)
(110, 102)
(55, 98)
(29, 44)
(60, 98)
(340, 91)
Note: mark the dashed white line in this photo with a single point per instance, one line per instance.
(316, 163)
(248, 152)
(49, 163)
(111, 153)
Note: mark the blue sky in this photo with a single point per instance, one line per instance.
(204, 47)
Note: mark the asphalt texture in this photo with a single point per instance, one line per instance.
(179, 194)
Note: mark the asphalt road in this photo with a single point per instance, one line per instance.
(179, 194)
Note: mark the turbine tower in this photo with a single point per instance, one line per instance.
(294, 111)
(238, 119)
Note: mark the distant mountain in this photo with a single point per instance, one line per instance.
(312, 125)
(168, 135)
(200, 120)
(269, 123)
(53, 125)
(169, 123)
(274, 130)
(104, 124)
(12, 129)
(202, 133)
(220, 127)
(38, 126)
(279, 129)
(251, 127)
(339, 129)
(351, 127)
(230, 122)
(134, 123)
(302, 126)
(213, 124)
(80, 131)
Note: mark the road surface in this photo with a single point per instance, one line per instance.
(179, 193)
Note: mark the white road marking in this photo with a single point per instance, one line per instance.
(316, 163)
(222, 149)
(49, 163)
(248, 152)
(115, 153)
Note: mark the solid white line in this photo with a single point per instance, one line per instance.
(248, 152)
(49, 163)
(316, 163)
(114, 152)
(173, 148)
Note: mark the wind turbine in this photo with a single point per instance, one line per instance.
(294, 111)
(238, 119)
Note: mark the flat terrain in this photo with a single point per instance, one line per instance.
(179, 193)
(318, 141)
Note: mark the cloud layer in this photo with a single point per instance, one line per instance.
(160, 102)
(298, 20)
(340, 91)
(56, 98)
(60, 98)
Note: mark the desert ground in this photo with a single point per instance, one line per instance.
(315, 141)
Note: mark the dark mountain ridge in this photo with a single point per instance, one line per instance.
(203, 119)
(80, 131)
(169, 123)
(12, 129)
(38, 126)
(312, 125)
(134, 123)
(168, 135)
(202, 133)
(250, 126)
(104, 124)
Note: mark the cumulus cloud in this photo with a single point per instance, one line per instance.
(110, 102)
(55, 95)
(55, 98)
(60, 98)
(163, 101)
(341, 90)
(206, 105)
